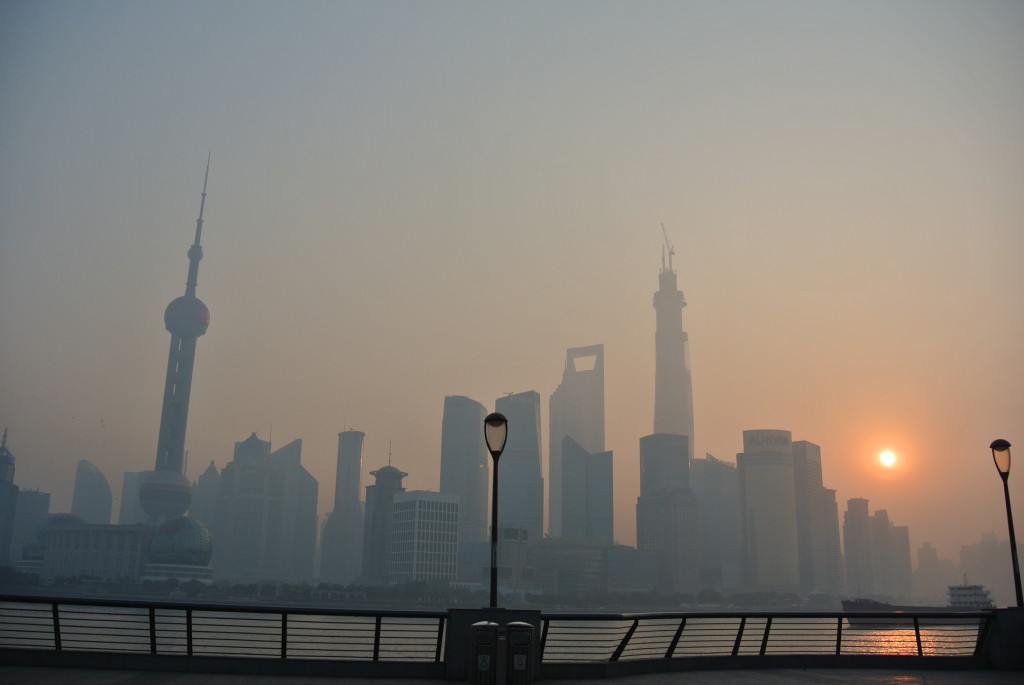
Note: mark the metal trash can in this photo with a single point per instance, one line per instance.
(484, 658)
(521, 653)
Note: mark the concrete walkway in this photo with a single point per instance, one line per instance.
(22, 675)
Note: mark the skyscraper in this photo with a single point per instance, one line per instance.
(520, 485)
(266, 522)
(587, 494)
(8, 500)
(810, 517)
(377, 524)
(465, 465)
(341, 541)
(130, 511)
(857, 547)
(424, 536)
(666, 511)
(768, 511)
(715, 484)
(576, 410)
(167, 493)
(673, 386)
(91, 500)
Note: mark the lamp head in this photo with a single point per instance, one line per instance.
(1001, 456)
(495, 433)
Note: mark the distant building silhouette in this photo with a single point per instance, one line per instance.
(715, 485)
(91, 500)
(341, 540)
(768, 511)
(858, 549)
(377, 526)
(666, 511)
(204, 495)
(587, 494)
(8, 500)
(465, 464)
(167, 493)
(576, 410)
(835, 584)
(520, 484)
(130, 509)
(265, 524)
(673, 385)
(424, 537)
(73, 548)
(33, 510)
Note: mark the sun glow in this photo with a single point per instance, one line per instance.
(887, 458)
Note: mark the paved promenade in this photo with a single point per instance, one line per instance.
(20, 675)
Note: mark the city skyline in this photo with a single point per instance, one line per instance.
(442, 200)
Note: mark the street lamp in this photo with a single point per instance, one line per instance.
(1001, 456)
(495, 433)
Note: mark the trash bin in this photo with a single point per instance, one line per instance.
(520, 653)
(484, 663)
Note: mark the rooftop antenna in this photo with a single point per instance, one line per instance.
(195, 253)
(389, 453)
(666, 247)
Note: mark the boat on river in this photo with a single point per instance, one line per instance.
(962, 598)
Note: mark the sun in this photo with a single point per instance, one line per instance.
(887, 458)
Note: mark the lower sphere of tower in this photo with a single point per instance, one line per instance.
(165, 494)
(181, 540)
(187, 316)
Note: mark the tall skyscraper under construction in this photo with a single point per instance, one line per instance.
(167, 493)
(576, 411)
(673, 386)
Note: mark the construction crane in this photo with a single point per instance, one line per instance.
(667, 247)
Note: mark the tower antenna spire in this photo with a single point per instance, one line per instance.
(667, 247)
(202, 200)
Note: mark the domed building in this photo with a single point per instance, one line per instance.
(180, 548)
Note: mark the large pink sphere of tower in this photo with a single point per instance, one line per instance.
(165, 494)
(187, 316)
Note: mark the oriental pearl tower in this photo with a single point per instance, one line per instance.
(167, 493)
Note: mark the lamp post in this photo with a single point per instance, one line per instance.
(1001, 456)
(495, 433)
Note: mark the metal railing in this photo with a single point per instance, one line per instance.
(171, 628)
(620, 637)
(285, 639)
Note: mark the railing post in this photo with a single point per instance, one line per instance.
(917, 634)
(983, 629)
(545, 624)
(739, 636)
(675, 638)
(440, 639)
(625, 639)
(839, 635)
(152, 630)
(376, 639)
(764, 638)
(188, 631)
(284, 634)
(56, 626)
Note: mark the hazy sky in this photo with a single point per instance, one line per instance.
(415, 199)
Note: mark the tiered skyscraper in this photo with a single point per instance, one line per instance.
(673, 385)
(577, 412)
(666, 511)
(167, 493)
